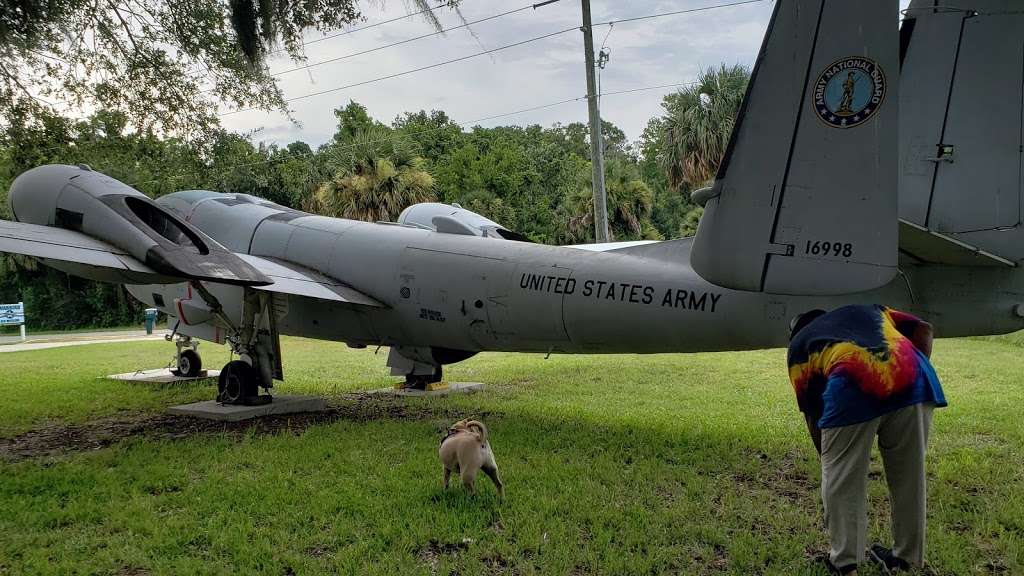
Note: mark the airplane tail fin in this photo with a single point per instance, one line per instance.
(962, 122)
(805, 199)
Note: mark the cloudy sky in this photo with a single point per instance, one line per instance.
(645, 53)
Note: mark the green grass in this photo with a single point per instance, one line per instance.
(685, 464)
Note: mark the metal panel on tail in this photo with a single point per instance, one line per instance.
(931, 42)
(979, 187)
(962, 122)
(805, 200)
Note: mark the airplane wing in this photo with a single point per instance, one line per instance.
(299, 281)
(69, 249)
(83, 255)
(805, 199)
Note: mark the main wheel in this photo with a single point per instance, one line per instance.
(189, 363)
(237, 380)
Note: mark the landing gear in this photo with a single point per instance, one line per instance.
(239, 384)
(189, 364)
(255, 340)
(417, 365)
(421, 381)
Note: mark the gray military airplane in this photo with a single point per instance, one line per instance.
(846, 180)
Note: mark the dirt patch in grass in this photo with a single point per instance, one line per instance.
(430, 554)
(59, 438)
(783, 476)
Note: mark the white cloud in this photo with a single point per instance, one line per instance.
(643, 53)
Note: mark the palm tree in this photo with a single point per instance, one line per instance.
(698, 124)
(630, 201)
(375, 177)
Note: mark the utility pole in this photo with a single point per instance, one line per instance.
(596, 142)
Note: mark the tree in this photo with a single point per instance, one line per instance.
(690, 220)
(698, 122)
(374, 178)
(259, 24)
(165, 64)
(629, 205)
(434, 132)
(577, 137)
(353, 119)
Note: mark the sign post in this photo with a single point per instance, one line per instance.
(13, 315)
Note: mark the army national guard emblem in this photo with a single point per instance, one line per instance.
(849, 91)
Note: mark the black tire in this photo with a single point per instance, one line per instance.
(190, 364)
(237, 380)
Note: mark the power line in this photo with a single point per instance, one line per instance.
(400, 42)
(492, 50)
(420, 69)
(368, 26)
(676, 12)
(630, 91)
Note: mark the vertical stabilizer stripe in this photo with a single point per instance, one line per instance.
(945, 120)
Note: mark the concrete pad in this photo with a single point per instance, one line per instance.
(451, 388)
(213, 410)
(161, 376)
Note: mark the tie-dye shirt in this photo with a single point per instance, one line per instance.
(857, 363)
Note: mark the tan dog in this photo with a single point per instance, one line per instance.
(466, 451)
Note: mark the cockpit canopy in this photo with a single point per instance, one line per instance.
(454, 219)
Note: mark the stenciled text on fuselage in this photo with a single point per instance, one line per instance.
(621, 292)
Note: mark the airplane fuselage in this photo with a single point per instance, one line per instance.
(453, 292)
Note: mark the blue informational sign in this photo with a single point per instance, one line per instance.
(12, 314)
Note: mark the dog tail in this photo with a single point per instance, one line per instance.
(479, 429)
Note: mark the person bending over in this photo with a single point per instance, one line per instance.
(859, 372)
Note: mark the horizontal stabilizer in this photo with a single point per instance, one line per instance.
(930, 247)
(77, 253)
(805, 198)
(298, 281)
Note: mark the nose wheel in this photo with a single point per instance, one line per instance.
(189, 363)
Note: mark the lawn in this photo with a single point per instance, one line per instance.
(679, 464)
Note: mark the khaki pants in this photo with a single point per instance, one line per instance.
(845, 454)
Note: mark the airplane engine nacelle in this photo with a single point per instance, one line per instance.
(77, 198)
(454, 219)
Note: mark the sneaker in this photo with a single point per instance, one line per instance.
(832, 569)
(884, 557)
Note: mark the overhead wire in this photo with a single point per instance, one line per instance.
(609, 23)
(677, 12)
(602, 60)
(368, 26)
(400, 42)
(492, 50)
(414, 70)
